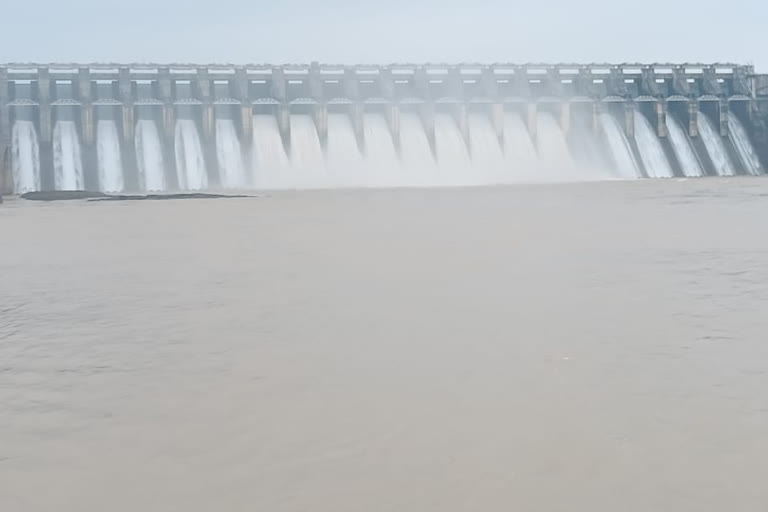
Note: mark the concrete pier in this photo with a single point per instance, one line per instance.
(422, 89)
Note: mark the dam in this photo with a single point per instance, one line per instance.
(142, 128)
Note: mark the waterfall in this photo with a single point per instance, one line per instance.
(381, 160)
(683, 148)
(554, 155)
(149, 157)
(67, 162)
(418, 162)
(519, 150)
(229, 155)
(25, 158)
(715, 146)
(109, 157)
(619, 147)
(190, 163)
(454, 167)
(306, 153)
(344, 161)
(650, 148)
(744, 146)
(487, 156)
(270, 162)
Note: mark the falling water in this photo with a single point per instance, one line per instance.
(25, 157)
(683, 148)
(556, 161)
(519, 150)
(306, 153)
(651, 151)
(415, 151)
(271, 164)
(487, 156)
(381, 160)
(190, 163)
(110, 160)
(744, 146)
(229, 154)
(67, 162)
(715, 146)
(344, 161)
(149, 156)
(620, 149)
(452, 154)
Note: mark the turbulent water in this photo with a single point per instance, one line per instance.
(715, 146)
(190, 162)
(415, 151)
(381, 159)
(584, 347)
(149, 157)
(269, 160)
(519, 150)
(109, 158)
(454, 166)
(624, 161)
(487, 155)
(230, 156)
(554, 156)
(306, 153)
(683, 148)
(650, 149)
(67, 160)
(25, 157)
(743, 146)
(343, 157)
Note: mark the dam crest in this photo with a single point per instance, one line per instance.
(152, 128)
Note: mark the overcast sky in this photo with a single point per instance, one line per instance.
(349, 31)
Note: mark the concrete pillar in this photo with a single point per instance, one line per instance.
(168, 127)
(693, 116)
(87, 131)
(208, 125)
(46, 129)
(497, 120)
(462, 120)
(386, 84)
(358, 124)
(531, 121)
(597, 109)
(350, 85)
(489, 86)
(724, 112)
(128, 130)
(629, 119)
(427, 114)
(315, 83)
(565, 118)
(279, 85)
(284, 125)
(320, 114)
(661, 118)
(240, 87)
(6, 179)
(393, 120)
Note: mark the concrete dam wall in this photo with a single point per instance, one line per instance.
(145, 127)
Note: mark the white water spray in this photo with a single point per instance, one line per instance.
(683, 148)
(271, 165)
(381, 160)
(650, 149)
(149, 157)
(306, 153)
(67, 161)
(344, 161)
(487, 155)
(744, 146)
(554, 155)
(619, 146)
(190, 163)
(715, 146)
(519, 149)
(110, 160)
(454, 166)
(229, 155)
(25, 158)
(418, 162)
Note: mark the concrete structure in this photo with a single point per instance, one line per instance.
(167, 92)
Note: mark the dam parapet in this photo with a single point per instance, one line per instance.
(90, 119)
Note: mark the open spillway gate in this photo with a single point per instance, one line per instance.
(150, 127)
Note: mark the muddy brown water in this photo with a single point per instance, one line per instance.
(580, 347)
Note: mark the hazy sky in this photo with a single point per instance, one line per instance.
(349, 31)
